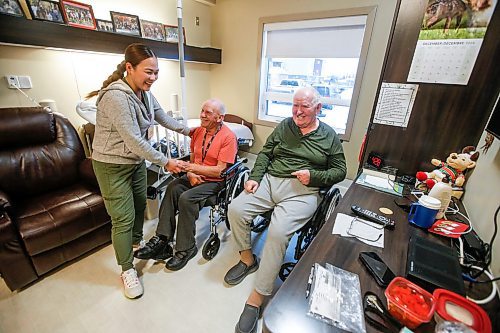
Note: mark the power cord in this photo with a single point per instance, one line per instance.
(28, 97)
(490, 245)
(481, 266)
(491, 296)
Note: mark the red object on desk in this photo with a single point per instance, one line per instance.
(467, 312)
(408, 303)
(448, 228)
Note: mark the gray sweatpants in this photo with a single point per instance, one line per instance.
(293, 205)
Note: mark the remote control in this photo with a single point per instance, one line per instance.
(374, 217)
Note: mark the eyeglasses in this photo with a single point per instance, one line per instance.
(367, 229)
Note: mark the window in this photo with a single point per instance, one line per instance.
(327, 53)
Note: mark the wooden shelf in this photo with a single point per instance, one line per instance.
(20, 31)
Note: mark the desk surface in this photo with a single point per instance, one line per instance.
(287, 310)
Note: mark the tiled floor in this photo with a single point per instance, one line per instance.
(86, 296)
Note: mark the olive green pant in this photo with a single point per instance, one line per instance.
(123, 188)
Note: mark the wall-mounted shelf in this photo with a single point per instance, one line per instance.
(20, 31)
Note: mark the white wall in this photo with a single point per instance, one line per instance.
(235, 30)
(66, 76)
(482, 197)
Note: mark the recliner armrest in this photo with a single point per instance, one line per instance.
(87, 172)
(5, 203)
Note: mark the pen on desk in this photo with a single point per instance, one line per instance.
(309, 282)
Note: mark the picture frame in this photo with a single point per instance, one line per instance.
(104, 25)
(152, 30)
(172, 35)
(127, 24)
(45, 10)
(78, 14)
(11, 7)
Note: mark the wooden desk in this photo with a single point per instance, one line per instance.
(287, 310)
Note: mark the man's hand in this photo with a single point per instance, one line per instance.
(175, 166)
(194, 179)
(251, 186)
(304, 176)
(191, 167)
(191, 131)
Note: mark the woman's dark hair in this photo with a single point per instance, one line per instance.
(134, 54)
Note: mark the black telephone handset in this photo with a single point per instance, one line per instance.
(377, 268)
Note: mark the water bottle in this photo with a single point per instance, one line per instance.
(442, 191)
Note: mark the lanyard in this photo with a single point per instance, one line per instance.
(204, 151)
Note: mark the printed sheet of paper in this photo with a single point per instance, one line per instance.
(395, 103)
(365, 231)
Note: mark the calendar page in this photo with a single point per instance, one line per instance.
(449, 41)
(444, 61)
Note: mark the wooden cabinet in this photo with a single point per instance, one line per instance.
(445, 117)
(20, 31)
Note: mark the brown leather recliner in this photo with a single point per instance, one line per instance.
(51, 210)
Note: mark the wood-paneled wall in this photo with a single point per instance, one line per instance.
(445, 118)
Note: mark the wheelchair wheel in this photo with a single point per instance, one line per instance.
(335, 196)
(285, 270)
(211, 247)
(235, 186)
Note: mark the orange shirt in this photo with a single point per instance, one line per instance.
(222, 148)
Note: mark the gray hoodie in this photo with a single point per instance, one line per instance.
(122, 124)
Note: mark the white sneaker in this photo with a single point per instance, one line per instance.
(131, 284)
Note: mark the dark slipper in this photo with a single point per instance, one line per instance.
(239, 271)
(248, 319)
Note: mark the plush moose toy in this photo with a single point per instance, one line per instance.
(454, 168)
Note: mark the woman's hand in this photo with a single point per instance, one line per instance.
(175, 166)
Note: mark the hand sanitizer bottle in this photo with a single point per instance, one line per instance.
(442, 191)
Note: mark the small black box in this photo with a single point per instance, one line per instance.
(432, 265)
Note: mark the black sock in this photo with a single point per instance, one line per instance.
(163, 238)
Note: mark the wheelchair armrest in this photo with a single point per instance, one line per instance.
(233, 167)
(323, 191)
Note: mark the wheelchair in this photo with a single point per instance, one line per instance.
(330, 199)
(306, 234)
(234, 181)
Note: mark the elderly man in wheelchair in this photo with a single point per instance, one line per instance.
(300, 156)
(213, 147)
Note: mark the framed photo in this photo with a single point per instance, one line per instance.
(126, 23)
(152, 30)
(172, 34)
(45, 10)
(11, 7)
(104, 25)
(78, 14)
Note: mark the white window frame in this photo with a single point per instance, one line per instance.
(271, 121)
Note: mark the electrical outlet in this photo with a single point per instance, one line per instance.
(12, 81)
(197, 21)
(25, 82)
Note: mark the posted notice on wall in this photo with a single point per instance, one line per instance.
(449, 41)
(395, 103)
